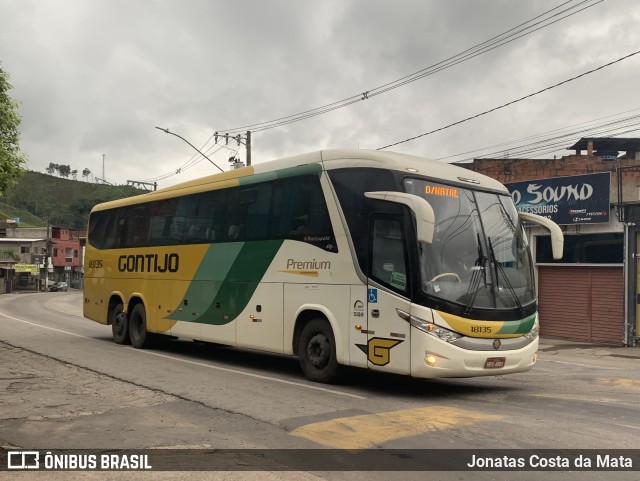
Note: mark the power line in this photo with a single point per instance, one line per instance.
(510, 103)
(187, 165)
(479, 49)
(510, 142)
(193, 146)
(602, 128)
(561, 141)
(519, 31)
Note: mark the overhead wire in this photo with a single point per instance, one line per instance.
(542, 134)
(479, 49)
(511, 102)
(514, 33)
(194, 160)
(558, 142)
(561, 145)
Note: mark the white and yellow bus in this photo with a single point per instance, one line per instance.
(340, 257)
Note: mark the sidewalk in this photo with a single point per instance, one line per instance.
(552, 344)
(589, 354)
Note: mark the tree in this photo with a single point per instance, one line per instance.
(86, 173)
(74, 174)
(52, 168)
(11, 159)
(64, 171)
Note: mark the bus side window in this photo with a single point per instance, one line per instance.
(98, 223)
(388, 252)
(257, 203)
(138, 234)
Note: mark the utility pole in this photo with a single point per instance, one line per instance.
(248, 145)
(240, 139)
(47, 252)
(103, 177)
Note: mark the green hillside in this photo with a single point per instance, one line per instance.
(65, 202)
(27, 219)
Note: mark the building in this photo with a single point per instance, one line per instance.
(591, 293)
(21, 259)
(51, 253)
(66, 256)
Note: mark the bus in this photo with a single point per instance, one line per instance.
(341, 257)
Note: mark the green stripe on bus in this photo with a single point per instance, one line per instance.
(225, 281)
(313, 168)
(523, 326)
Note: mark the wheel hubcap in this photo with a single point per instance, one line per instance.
(318, 350)
(119, 323)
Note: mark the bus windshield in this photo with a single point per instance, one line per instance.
(479, 257)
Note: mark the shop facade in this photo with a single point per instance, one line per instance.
(591, 293)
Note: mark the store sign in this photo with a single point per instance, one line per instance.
(580, 199)
(31, 268)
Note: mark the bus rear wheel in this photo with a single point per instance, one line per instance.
(119, 325)
(317, 351)
(140, 338)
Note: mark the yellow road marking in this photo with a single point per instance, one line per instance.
(370, 430)
(574, 397)
(620, 382)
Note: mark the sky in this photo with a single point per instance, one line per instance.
(93, 78)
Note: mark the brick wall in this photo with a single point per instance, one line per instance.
(516, 170)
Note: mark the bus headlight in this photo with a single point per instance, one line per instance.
(534, 333)
(433, 329)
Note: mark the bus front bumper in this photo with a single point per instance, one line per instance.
(433, 358)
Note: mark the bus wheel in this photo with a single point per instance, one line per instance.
(119, 325)
(317, 351)
(138, 327)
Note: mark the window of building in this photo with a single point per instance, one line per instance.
(25, 249)
(584, 249)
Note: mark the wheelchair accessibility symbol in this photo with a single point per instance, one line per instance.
(372, 296)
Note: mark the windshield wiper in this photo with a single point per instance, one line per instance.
(500, 269)
(474, 283)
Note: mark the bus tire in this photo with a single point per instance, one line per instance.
(140, 338)
(119, 325)
(317, 351)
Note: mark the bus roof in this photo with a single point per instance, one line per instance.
(325, 160)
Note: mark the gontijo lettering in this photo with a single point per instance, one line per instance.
(149, 263)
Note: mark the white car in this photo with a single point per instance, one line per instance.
(58, 286)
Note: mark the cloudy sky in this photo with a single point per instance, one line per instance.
(95, 77)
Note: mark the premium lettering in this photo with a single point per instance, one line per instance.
(149, 263)
(307, 265)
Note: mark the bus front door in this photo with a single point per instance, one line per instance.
(388, 343)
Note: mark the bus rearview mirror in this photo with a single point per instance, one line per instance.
(557, 237)
(425, 218)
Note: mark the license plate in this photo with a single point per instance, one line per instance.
(494, 362)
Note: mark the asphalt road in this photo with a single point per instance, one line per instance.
(64, 384)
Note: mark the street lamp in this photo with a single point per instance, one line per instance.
(196, 149)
